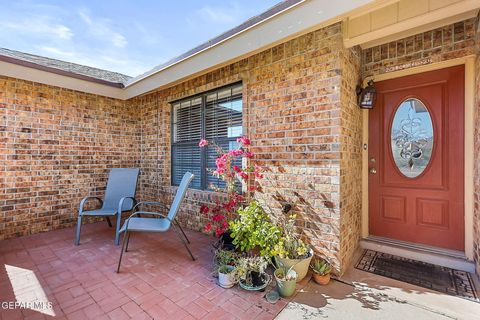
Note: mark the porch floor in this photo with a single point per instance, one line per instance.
(362, 295)
(157, 279)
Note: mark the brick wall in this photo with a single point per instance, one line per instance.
(294, 104)
(476, 217)
(55, 148)
(449, 42)
(351, 157)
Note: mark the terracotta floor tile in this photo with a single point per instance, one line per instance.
(157, 281)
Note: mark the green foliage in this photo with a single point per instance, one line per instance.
(225, 269)
(289, 245)
(253, 229)
(285, 274)
(224, 258)
(247, 265)
(321, 266)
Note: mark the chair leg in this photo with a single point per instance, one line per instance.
(108, 221)
(121, 251)
(128, 241)
(117, 229)
(79, 226)
(183, 241)
(180, 227)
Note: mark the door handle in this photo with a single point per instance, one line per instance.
(372, 170)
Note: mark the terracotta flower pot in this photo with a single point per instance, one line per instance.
(323, 280)
(299, 265)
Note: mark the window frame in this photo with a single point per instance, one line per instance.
(203, 151)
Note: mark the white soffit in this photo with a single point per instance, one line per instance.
(299, 19)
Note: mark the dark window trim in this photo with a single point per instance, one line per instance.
(203, 153)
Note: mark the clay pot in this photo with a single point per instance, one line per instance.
(299, 265)
(323, 280)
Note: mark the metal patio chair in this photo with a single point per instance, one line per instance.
(119, 197)
(159, 223)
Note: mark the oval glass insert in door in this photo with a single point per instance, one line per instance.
(412, 137)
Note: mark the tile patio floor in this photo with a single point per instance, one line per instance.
(157, 280)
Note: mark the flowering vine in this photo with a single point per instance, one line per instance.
(234, 176)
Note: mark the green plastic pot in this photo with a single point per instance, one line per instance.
(286, 288)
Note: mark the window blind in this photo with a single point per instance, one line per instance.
(215, 116)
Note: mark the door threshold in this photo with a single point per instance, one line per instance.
(438, 256)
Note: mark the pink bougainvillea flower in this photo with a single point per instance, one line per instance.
(243, 175)
(203, 143)
(208, 227)
(204, 209)
(252, 188)
(244, 140)
(248, 154)
(257, 172)
(235, 152)
(236, 169)
(219, 231)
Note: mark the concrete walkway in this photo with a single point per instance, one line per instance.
(362, 295)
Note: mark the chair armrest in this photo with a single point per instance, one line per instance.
(122, 200)
(84, 200)
(150, 203)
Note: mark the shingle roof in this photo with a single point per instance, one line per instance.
(64, 68)
(120, 80)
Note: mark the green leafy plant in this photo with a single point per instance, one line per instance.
(254, 229)
(224, 258)
(289, 244)
(285, 274)
(321, 266)
(247, 265)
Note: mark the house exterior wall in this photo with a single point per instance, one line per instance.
(449, 42)
(301, 115)
(476, 215)
(55, 148)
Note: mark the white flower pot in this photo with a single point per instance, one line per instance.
(225, 280)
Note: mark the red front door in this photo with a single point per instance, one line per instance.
(416, 159)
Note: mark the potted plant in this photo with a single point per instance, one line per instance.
(292, 251)
(321, 271)
(251, 271)
(286, 279)
(253, 229)
(227, 276)
(224, 257)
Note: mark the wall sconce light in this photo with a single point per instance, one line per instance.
(366, 96)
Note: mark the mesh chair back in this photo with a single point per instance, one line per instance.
(122, 182)
(181, 191)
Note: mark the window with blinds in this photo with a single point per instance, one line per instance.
(215, 116)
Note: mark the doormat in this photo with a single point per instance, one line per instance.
(442, 279)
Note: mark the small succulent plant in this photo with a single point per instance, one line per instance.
(321, 266)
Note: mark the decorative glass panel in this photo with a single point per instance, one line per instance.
(412, 137)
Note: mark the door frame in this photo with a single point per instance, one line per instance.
(469, 63)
